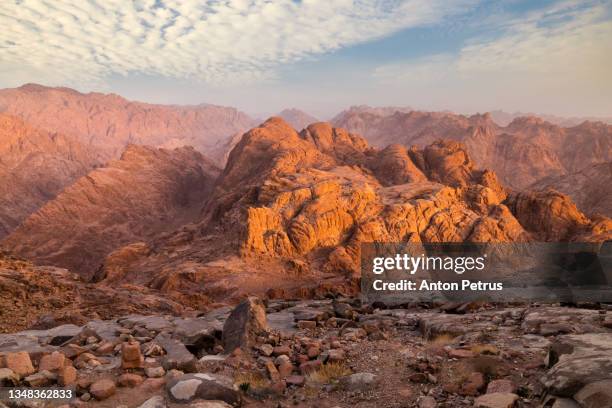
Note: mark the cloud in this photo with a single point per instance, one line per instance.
(215, 41)
(558, 58)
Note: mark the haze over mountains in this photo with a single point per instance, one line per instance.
(90, 186)
(108, 122)
(522, 153)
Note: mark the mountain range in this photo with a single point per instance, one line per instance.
(165, 199)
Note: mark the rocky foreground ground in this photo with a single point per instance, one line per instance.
(324, 353)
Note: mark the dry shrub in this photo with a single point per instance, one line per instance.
(328, 373)
(439, 342)
(485, 349)
(487, 365)
(248, 381)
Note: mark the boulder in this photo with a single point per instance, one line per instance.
(20, 363)
(102, 389)
(244, 324)
(577, 360)
(595, 395)
(177, 356)
(155, 402)
(190, 387)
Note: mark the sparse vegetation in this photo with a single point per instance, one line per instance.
(440, 341)
(249, 381)
(328, 373)
(485, 349)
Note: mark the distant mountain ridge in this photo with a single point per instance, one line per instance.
(109, 122)
(525, 151)
(35, 166)
(297, 118)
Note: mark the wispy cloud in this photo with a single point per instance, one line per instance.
(558, 58)
(210, 40)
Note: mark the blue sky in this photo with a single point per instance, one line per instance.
(319, 55)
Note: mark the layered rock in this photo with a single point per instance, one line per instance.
(146, 192)
(525, 151)
(304, 203)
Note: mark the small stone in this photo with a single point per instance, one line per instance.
(266, 349)
(280, 350)
(313, 352)
(272, 371)
(474, 383)
(20, 363)
(131, 356)
(102, 389)
(105, 348)
(67, 376)
(295, 380)
(8, 377)
(72, 351)
(52, 362)
(129, 380)
(153, 384)
(285, 369)
(501, 386)
(310, 366)
(155, 372)
(41, 379)
(173, 374)
(307, 324)
(496, 400)
(86, 397)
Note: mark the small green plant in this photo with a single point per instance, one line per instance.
(249, 381)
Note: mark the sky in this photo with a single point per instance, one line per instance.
(261, 56)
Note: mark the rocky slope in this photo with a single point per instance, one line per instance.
(144, 193)
(525, 151)
(108, 123)
(35, 166)
(291, 210)
(324, 353)
(42, 297)
(297, 118)
(590, 188)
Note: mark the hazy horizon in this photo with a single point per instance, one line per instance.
(468, 56)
